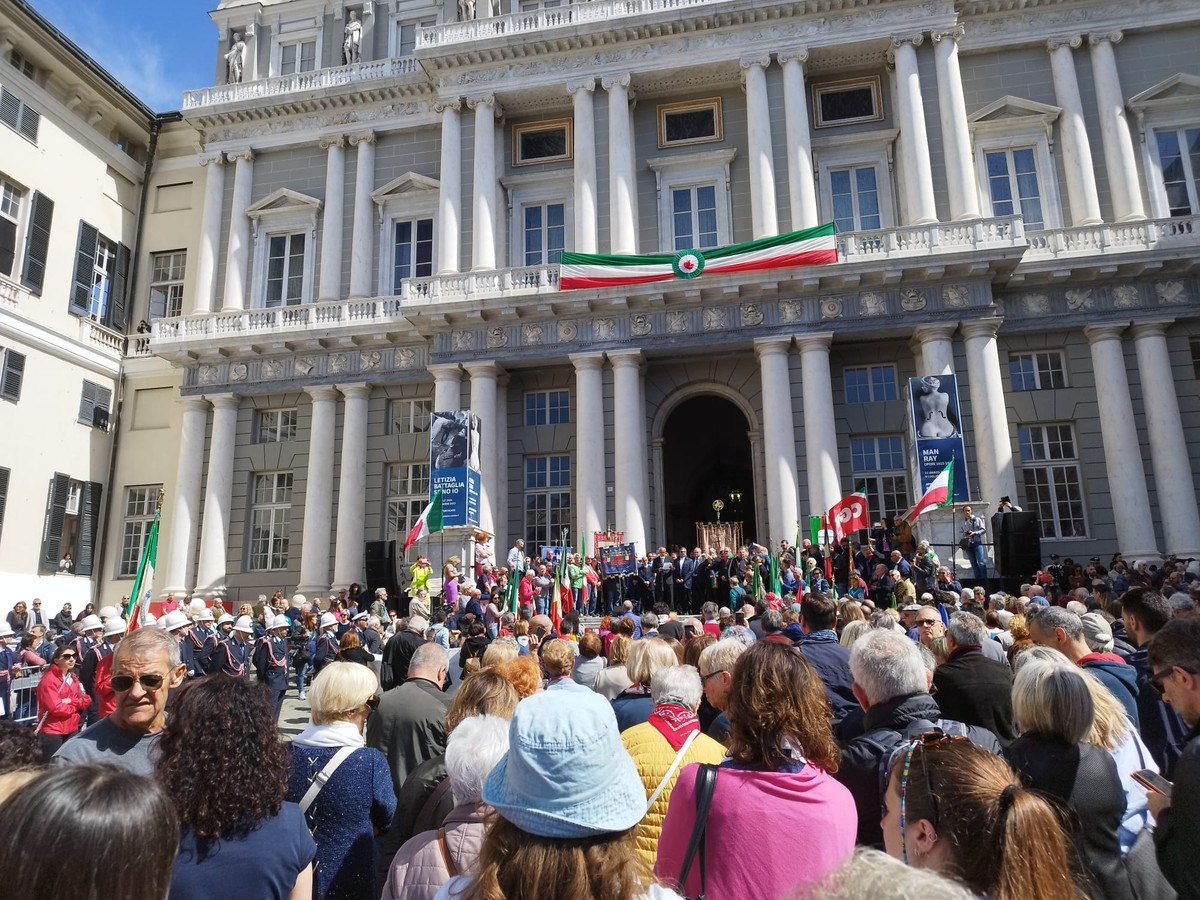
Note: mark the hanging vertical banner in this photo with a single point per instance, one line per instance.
(936, 431)
(454, 454)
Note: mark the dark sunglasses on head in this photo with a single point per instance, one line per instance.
(122, 683)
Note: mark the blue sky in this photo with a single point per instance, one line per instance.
(156, 48)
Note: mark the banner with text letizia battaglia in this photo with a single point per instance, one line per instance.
(810, 247)
(454, 454)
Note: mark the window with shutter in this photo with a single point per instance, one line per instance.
(89, 525)
(115, 313)
(19, 116)
(56, 514)
(10, 109)
(93, 397)
(85, 267)
(37, 243)
(12, 376)
(4, 473)
(11, 201)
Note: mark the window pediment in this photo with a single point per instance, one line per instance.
(285, 209)
(1167, 101)
(1014, 114)
(409, 186)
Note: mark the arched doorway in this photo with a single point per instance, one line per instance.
(706, 455)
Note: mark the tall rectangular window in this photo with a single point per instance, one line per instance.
(855, 195)
(1037, 371)
(410, 416)
(271, 504)
(1013, 183)
(103, 270)
(1179, 153)
(297, 56)
(285, 269)
(166, 284)
(139, 515)
(406, 36)
(547, 499)
(694, 214)
(547, 407)
(1053, 483)
(72, 520)
(869, 384)
(11, 199)
(275, 426)
(407, 494)
(412, 251)
(545, 233)
(878, 462)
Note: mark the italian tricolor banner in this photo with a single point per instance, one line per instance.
(940, 493)
(810, 247)
(143, 584)
(429, 522)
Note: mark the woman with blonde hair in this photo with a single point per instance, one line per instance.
(615, 677)
(852, 631)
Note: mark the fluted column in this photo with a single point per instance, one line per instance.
(218, 492)
(586, 208)
(318, 493)
(349, 558)
(779, 437)
(483, 231)
(622, 182)
(1076, 149)
(447, 387)
(1122, 453)
(961, 185)
(449, 249)
(210, 232)
(933, 347)
(764, 218)
(363, 241)
(993, 445)
(589, 442)
(914, 140)
(183, 506)
(237, 258)
(501, 495)
(484, 376)
(1176, 488)
(820, 436)
(630, 482)
(1120, 162)
(802, 189)
(330, 284)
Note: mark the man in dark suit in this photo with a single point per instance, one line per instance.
(970, 687)
(685, 569)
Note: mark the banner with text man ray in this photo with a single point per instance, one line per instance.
(935, 426)
(454, 454)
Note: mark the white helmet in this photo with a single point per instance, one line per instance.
(244, 624)
(173, 621)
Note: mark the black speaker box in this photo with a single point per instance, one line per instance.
(1017, 543)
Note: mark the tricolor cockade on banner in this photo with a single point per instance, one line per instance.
(811, 247)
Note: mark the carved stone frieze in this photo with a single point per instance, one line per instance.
(1125, 296)
(640, 325)
(956, 296)
(872, 303)
(1035, 304)
(1080, 298)
(677, 322)
(912, 300)
(567, 332)
(791, 311)
(752, 315)
(831, 308)
(604, 328)
(714, 318)
(497, 337)
(1171, 292)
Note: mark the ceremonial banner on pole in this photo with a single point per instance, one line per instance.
(143, 583)
(429, 522)
(849, 514)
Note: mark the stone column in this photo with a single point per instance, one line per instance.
(450, 188)
(362, 244)
(218, 492)
(349, 558)
(1122, 452)
(184, 504)
(802, 190)
(210, 233)
(779, 437)
(237, 259)
(1077, 151)
(1168, 450)
(483, 232)
(914, 140)
(586, 209)
(933, 347)
(447, 386)
(1120, 161)
(820, 435)
(961, 185)
(993, 446)
(501, 495)
(330, 286)
(764, 218)
(622, 179)
(318, 494)
(484, 376)
(590, 480)
(631, 485)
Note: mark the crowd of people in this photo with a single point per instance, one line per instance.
(807, 743)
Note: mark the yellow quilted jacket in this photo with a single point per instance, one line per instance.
(653, 756)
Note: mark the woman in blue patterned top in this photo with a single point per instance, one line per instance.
(357, 800)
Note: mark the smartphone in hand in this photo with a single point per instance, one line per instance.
(1152, 781)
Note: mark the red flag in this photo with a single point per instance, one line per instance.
(849, 514)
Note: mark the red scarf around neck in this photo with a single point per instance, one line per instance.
(674, 723)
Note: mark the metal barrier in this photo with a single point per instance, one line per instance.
(22, 698)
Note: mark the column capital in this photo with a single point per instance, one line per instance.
(1112, 37)
(1105, 331)
(246, 153)
(917, 38)
(587, 362)
(444, 370)
(224, 401)
(760, 59)
(362, 137)
(321, 392)
(772, 346)
(215, 156)
(934, 331)
(357, 391)
(954, 35)
(1071, 42)
(985, 328)
(585, 84)
(445, 103)
(194, 404)
(1151, 328)
(331, 140)
(608, 82)
(485, 100)
(485, 368)
(799, 54)
(814, 340)
(626, 359)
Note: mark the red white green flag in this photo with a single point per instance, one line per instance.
(810, 247)
(940, 493)
(429, 522)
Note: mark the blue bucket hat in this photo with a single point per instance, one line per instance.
(566, 773)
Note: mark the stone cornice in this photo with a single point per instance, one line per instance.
(994, 24)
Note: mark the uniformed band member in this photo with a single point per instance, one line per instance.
(271, 659)
(224, 630)
(234, 655)
(203, 640)
(327, 642)
(93, 631)
(368, 637)
(114, 630)
(176, 624)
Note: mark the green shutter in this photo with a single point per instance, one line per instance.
(37, 244)
(85, 267)
(56, 511)
(89, 524)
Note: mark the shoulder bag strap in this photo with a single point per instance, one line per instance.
(432, 801)
(322, 777)
(706, 784)
(447, 859)
(674, 766)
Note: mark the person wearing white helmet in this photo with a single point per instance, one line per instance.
(234, 656)
(91, 632)
(108, 612)
(327, 642)
(271, 659)
(113, 631)
(203, 640)
(177, 624)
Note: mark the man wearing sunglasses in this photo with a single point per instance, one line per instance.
(145, 666)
